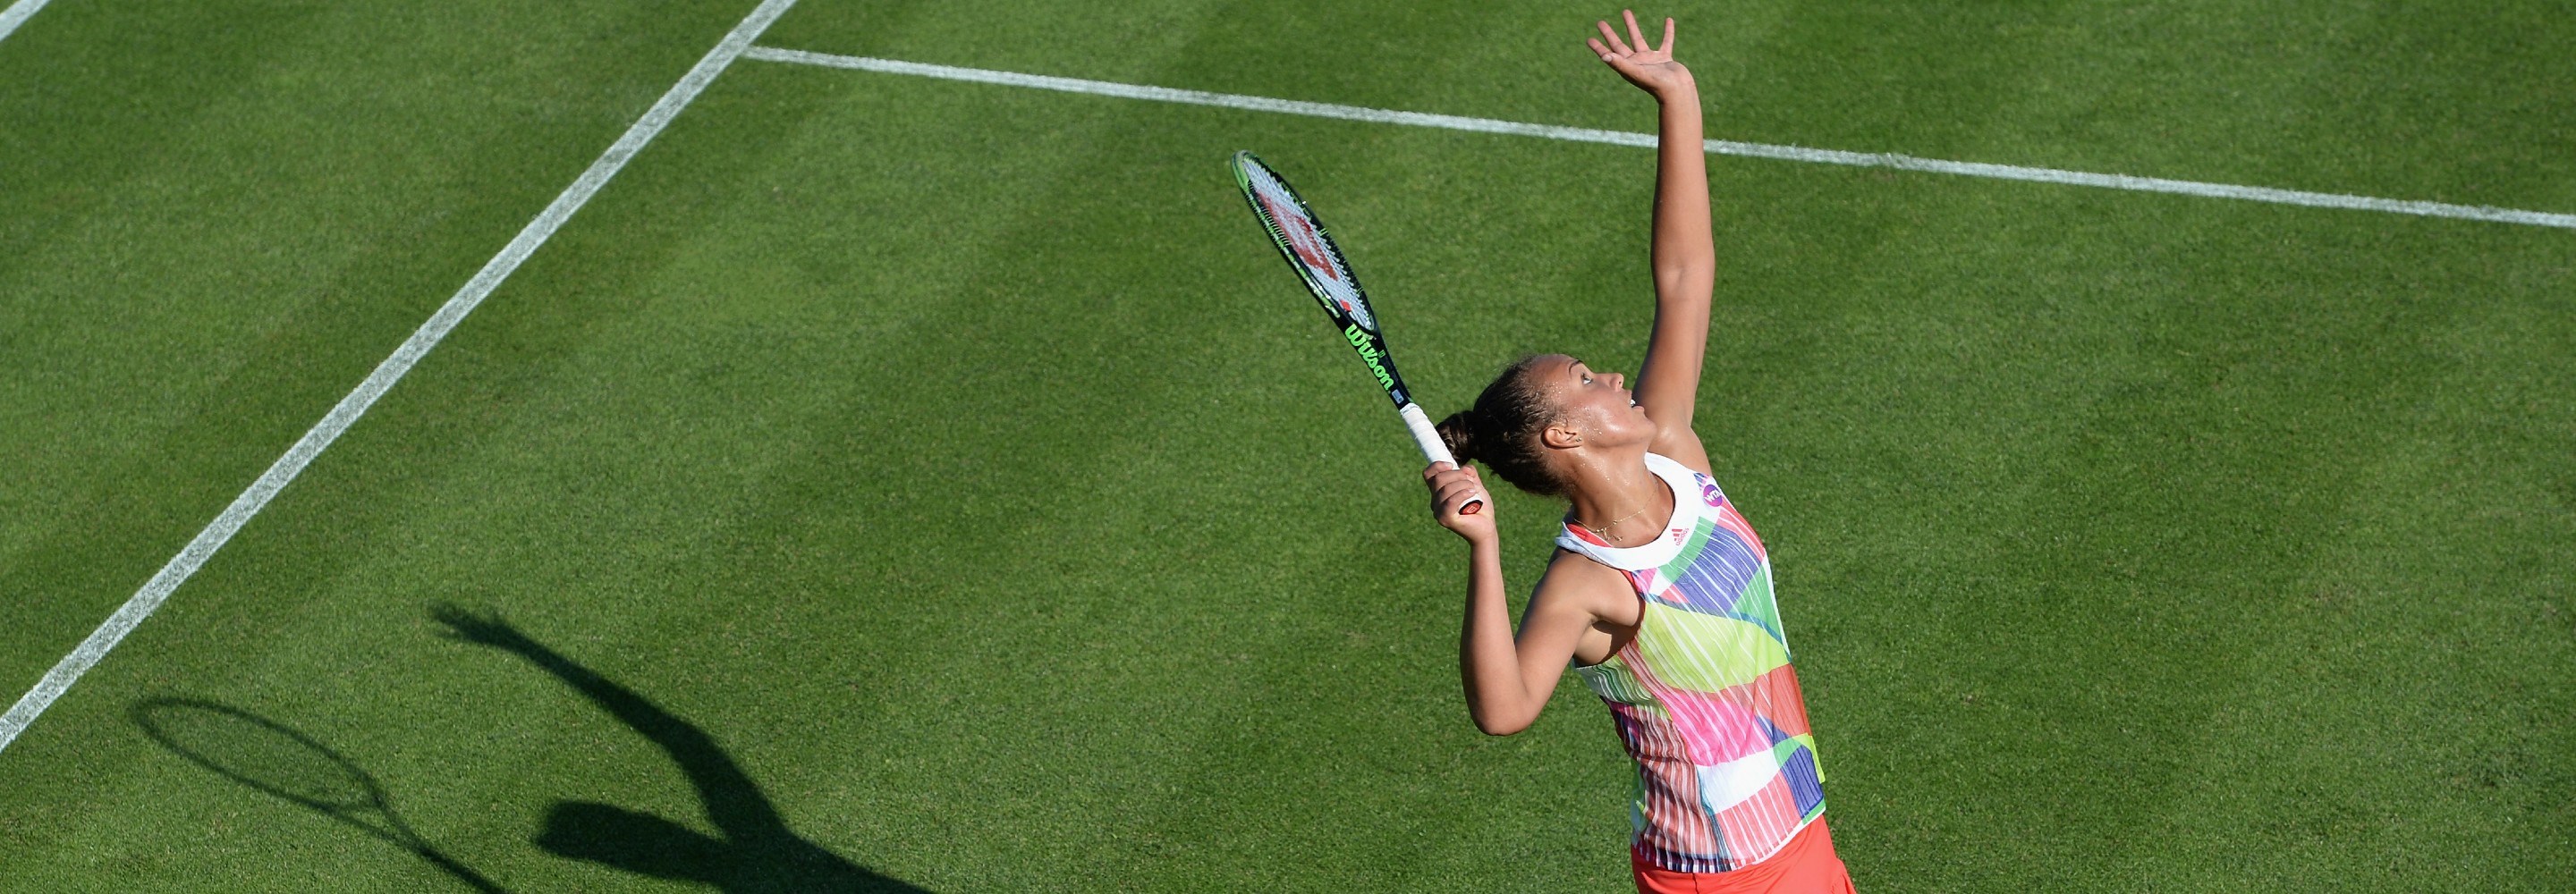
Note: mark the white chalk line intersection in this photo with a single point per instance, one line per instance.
(175, 572)
(1647, 140)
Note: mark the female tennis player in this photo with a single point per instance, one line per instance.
(1659, 593)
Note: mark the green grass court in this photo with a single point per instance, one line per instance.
(903, 484)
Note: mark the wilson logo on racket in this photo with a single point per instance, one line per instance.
(1301, 239)
(1369, 354)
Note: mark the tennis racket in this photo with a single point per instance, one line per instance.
(1301, 239)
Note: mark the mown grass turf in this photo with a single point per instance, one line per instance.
(958, 460)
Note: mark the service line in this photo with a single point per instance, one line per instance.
(280, 473)
(1628, 138)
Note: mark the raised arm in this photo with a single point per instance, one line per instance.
(1508, 676)
(1685, 257)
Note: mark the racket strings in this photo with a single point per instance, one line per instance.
(1307, 244)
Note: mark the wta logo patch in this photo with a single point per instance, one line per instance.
(1708, 492)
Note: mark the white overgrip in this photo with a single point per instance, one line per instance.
(1425, 436)
(1433, 449)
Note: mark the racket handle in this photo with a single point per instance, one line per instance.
(1433, 449)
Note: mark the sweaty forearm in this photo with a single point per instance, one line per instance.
(1488, 658)
(1685, 256)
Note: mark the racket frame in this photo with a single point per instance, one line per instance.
(1358, 327)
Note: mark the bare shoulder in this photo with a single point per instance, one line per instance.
(1682, 444)
(1575, 582)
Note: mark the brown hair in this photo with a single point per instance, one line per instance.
(1502, 430)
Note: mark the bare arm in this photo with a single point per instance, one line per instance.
(1685, 254)
(1508, 677)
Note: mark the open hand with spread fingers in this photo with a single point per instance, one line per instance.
(1652, 69)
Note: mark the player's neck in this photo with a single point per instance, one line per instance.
(1626, 499)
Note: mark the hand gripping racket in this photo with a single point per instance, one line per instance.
(1301, 239)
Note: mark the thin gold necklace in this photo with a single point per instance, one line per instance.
(1603, 531)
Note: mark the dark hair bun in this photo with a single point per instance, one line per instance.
(1458, 432)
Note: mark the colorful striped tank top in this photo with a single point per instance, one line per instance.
(1703, 695)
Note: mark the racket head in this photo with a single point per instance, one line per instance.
(1303, 241)
(261, 754)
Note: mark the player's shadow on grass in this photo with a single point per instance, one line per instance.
(282, 762)
(756, 850)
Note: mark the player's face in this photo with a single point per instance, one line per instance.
(1598, 405)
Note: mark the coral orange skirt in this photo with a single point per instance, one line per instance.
(1806, 865)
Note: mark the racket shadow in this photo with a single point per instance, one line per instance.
(754, 850)
(282, 762)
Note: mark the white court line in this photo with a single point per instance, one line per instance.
(180, 566)
(1719, 147)
(17, 14)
